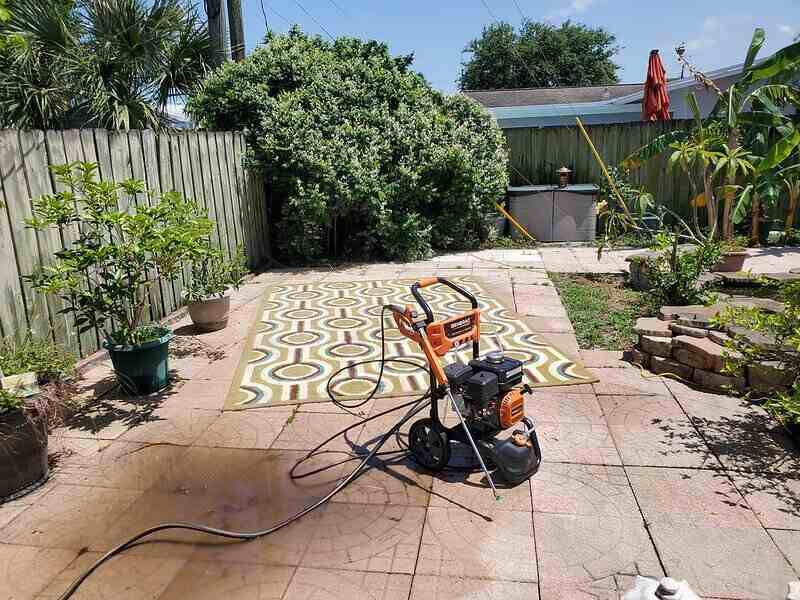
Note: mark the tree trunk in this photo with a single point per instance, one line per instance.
(794, 197)
(237, 29)
(755, 219)
(216, 30)
(711, 205)
(727, 217)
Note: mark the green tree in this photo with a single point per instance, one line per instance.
(539, 55)
(362, 156)
(98, 63)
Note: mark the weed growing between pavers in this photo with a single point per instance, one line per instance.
(602, 309)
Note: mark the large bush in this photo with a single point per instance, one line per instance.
(363, 158)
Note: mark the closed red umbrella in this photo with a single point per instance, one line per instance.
(655, 104)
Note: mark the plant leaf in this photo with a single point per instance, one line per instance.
(779, 152)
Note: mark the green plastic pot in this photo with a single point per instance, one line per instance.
(142, 369)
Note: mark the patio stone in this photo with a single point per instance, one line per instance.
(671, 313)
(134, 577)
(245, 429)
(428, 587)
(8, 512)
(651, 326)
(471, 492)
(742, 435)
(604, 359)
(554, 325)
(775, 498)
(577, 443)
(718, 562)
(121, 465)
(656, 345)
(26, 570)
(200, 393)
(628, 382)
(70, 517)
(636, 357)
(397, 482)
(202, 580)
(319, 584)
(174, 425)
(583, 490)
(564, 342)
(306, 430)
(546, 405)
(461, 543)
(576, 550)
(768, 377)
(653, 430)
(545, 312)
(788, 541)
(697, 498)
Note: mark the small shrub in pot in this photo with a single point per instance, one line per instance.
(127, 241)
(212, 278)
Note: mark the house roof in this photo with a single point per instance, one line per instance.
(545, 96)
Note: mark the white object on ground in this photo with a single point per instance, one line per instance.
(794, 591)
(666, 589)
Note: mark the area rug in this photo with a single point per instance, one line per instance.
(306, 332)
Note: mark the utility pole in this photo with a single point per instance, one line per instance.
(216, 31)
(236, 29)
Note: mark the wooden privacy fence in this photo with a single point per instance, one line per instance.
(536, 153)
(204, 166)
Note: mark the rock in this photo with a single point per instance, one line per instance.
(719, 338)
(782, 277)
(717, 382)
(660, 365)
(743, 278)
(766, 304)
(678, 329)
(670, 313)
(754, 338)
(701, 353)
(657, 346)
(637, 357)
(795, 271)
(653, 327)
(641, 256)
(768, 377)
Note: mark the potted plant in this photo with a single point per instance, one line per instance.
(207, 295)
(23, 444)
(733, 255)
(126, 241)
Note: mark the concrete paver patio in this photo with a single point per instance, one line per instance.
(641, 475)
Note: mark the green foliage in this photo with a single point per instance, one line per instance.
(212, 275)
(98, 63)
(603, 312)
(362, 157)
(675, 273)
(9, 401)
(782, 329)
(105, 276)
(42, 356)
(539, 55)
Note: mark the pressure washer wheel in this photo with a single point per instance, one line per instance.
(429, 444)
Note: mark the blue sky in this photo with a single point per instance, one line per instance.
(436, 31)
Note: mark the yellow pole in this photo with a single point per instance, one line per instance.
(514, 222)
(603, 166)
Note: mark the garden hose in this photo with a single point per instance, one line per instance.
(415, 406)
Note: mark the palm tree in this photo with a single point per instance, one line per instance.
(99, 63)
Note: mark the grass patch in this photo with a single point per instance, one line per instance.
(602, 310)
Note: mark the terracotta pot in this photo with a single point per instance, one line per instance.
(731, 262)
(23, 444)
(211, 314)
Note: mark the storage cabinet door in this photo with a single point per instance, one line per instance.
(574, 217)
(534, 212)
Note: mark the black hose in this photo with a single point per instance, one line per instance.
(416, 406)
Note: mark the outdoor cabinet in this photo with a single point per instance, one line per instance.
(555, 214)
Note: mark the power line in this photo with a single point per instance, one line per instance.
(489, 10)
(339, 8)
(264, 10)
(521, 14)
(313, 18)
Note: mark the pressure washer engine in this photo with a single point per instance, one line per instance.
(487, 395)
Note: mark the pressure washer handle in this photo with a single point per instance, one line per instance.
(428, 281)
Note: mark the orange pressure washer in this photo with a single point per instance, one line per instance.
(487, 394)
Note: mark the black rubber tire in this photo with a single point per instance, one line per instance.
(429, 444)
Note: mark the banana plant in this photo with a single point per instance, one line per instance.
(792, 184)
(732, 162)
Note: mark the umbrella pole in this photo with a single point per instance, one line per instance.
(603, 167)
